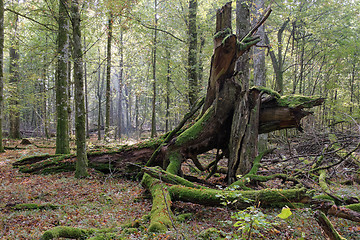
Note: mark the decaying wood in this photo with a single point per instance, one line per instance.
(328, 228)
(342, 212)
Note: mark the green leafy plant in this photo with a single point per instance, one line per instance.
(249, 221)
(231, 196)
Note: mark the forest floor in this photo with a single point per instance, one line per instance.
(107, 201)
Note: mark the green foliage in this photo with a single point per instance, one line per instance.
(251, 221)
(231, 196)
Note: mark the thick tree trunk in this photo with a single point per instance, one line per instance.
(80, 128)
(1, 71)
(62, 124)
(192, 53)
(14, 107)
(153, 113)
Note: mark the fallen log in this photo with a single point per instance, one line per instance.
(326, 225)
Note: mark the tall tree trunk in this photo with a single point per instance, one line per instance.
(192, 53)
(168, 79)
(259, 63)
(80, 133)
(127, 111)
(43, 90)
(14, 80)
(108, 77)
(61, 82)
(153, 114)
(1, 71)
(86, 96)
(278, 61)
(244, 129)
(99, 97)
(121, 75)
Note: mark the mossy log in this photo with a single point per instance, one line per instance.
(33, 206)
(328, 228)
(239, 199)
(161, 215)
(340, 211)
(119, 160)
(66, 232)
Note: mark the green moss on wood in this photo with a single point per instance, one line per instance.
(33, 159)
(32, 206)
(66, 232)
(166, 176)
(175, 160)
(324, 197)
(192, 133)
(222, 34)
(159, 216)
(293, 101)
(268, 91)
(243, 198)
(355, 207)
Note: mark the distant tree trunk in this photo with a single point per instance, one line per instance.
(278, 61)
(200, 61)
(70, 92)
(127, 111)
(108, 77)
(81, 157)
(137, 100)
(168, 79)
(153, 114)
(61, 82)
(121, 73)
(192, 53)
(99, 97)
(86, 97)
(1, 71)
(14, 80)
(259, 64)
(44, 95)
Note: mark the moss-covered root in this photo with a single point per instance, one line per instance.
(66, 232)
(160, 212)
(355, 207)
(252, 173)
(326, 225)
(175, 160)
(243, 199)
(33, 206)
(322, 181)
(167, 177)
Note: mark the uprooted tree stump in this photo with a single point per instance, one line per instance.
(230, 121)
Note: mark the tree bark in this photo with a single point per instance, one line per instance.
(14, 106)
(153, 113)
(108, 78)
(62, 129)
(80, 128)
(192, 53)
(1, 72)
